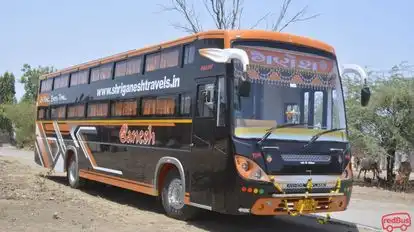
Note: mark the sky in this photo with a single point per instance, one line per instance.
(373, 33)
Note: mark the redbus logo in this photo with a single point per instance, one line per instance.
(396, 220)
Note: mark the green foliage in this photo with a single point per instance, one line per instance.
(20, 117)
(7, 89)
(387, 123)
(30, 80)
(23, 117)
(7, 96)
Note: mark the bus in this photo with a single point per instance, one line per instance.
(232, 121)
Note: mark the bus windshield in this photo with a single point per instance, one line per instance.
(287, 86)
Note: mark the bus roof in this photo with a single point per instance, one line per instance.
(228, 35)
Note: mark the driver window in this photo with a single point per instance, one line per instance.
(205, 100)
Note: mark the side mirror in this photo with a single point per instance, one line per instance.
(244, 89)
(356, 69)
(365, 95)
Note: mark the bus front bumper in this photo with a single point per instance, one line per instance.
(293, 203)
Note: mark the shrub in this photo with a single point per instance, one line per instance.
(23, 117)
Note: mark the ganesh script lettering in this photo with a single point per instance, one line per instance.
(286, 59)
(146, 137)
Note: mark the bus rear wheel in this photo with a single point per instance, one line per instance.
(72, 173)
(172, 196)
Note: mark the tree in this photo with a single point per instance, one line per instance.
(228, 14)
(30, 80)
(22, 115)
(7, 89)
(386, 125)
(7, 96)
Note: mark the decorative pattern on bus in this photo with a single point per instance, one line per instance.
(95, 139)
(283, 67)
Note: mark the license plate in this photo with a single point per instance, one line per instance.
(308, 205)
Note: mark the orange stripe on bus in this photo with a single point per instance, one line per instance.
(49, 127)
(63, 127)
(40, 141)
(119, 182)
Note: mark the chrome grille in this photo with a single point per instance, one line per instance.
(305, 158)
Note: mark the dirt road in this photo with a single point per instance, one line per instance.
(31, 200)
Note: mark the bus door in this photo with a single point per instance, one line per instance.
(209, 140)
(209, 124)
(205, 111)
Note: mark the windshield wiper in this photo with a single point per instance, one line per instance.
(270, 130)
(315, 137)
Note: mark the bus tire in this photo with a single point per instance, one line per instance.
(170, 198)
(72, 173)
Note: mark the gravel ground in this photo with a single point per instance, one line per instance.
(33, 200)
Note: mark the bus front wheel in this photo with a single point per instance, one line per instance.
(171, 198)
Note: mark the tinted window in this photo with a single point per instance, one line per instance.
(120, 68)
(158, 106)
(97, 109)
(185, 104)
(58, 112)
(79, 78)
(76, 111)
(61, 82)
(169, 58)
(152, 62)
(46, 85)
(189, 52)
(133, 65)
(41, 113)
(124, 108)
(164, 59)
(205, 100)
(222, 100)
(102, 72)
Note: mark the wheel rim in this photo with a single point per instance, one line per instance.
(72, 172)
(175, 194)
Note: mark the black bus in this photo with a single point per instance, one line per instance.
(233, 121)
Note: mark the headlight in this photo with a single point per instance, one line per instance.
(248, 169)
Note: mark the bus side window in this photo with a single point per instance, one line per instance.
(205, 100)
(221, 99)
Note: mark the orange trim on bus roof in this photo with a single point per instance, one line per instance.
(278, 36)
(227, 35)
